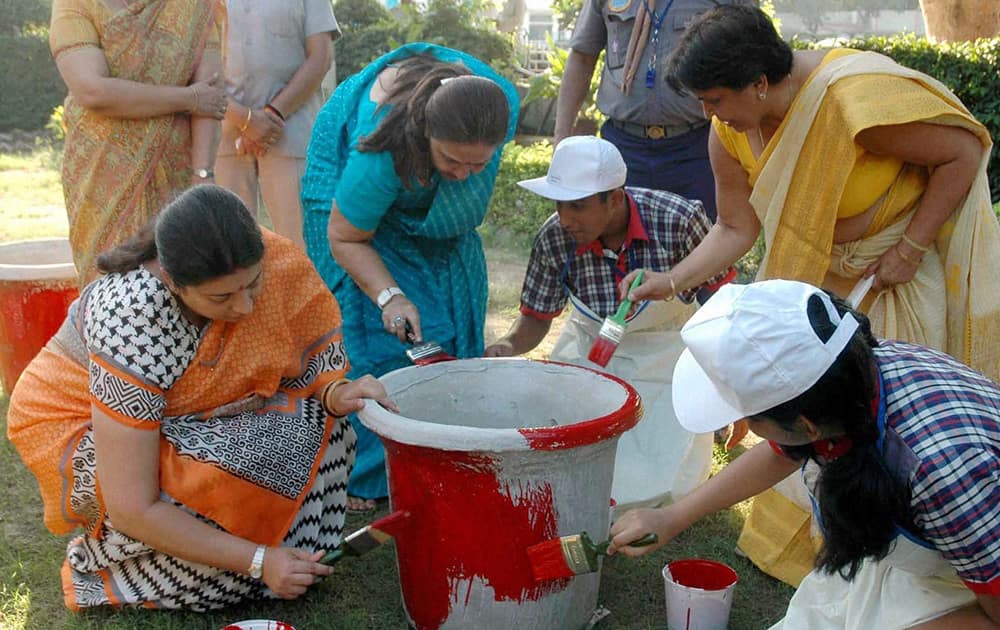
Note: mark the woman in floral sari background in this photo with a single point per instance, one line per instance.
(141, 116)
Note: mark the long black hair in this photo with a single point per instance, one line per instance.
(431, 98)
(860, 502)
(729, 46)
(205, 233)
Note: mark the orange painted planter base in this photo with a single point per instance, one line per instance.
(37, 285)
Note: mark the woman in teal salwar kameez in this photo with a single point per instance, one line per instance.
(399, 173)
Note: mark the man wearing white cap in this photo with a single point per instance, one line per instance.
(600, 232)
(907, 440)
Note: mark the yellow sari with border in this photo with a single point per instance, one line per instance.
(953, 302)
(117, 173)
(846, 96)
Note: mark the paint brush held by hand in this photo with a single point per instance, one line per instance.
(612, 330)
(367, 538)
(426, 352)
(572, 555)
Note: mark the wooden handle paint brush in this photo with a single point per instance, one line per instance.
(572, 555)
(367, 538)
(612, 330)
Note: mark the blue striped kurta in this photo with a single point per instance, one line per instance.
(426, 237)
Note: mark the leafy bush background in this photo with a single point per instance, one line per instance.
(515, 214)
(32, 85)
(370, 30)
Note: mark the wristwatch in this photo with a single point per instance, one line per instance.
(387, 294)
(204, 173)
(257, 565)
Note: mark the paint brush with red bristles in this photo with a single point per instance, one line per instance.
(426, 352)
(572, 555)
(367, 538)
(612, 330)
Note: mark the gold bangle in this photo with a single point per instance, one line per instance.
(327, 407)
(246, 123)
(900, 253)
(195, 92)
(915, 245)
(673, 288)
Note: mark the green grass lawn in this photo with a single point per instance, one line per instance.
(364, 592)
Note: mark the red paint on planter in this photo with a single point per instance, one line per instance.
(461, 494)
(37, 285)
(591, 431)
(30, 313)
(480, 491)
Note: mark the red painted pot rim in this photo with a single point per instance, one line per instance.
(415, 432)
(37, 260)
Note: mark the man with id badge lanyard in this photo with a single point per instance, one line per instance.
(662, 135)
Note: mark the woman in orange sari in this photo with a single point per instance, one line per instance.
(188, 416)
(145, 97)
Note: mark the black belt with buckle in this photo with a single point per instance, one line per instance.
(657, 132)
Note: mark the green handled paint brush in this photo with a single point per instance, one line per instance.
(613, 329)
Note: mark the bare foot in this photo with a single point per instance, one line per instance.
(359, 505)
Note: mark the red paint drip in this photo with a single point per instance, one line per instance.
(464, 525)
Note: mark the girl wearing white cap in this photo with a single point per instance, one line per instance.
(907, 440)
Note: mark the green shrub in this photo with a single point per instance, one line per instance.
(970, 69)
(371, 30)
(515, 214)
(461, 25)
(32, 85)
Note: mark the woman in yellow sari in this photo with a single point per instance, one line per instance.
(853, 166)
(188, 417)
(145, 97)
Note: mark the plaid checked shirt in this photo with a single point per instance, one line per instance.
(942, 422)
(663, 228)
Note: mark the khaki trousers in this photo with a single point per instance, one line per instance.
(275, 178)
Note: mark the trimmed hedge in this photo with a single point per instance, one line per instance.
(970, 69)
(515, 214)
(32, 85)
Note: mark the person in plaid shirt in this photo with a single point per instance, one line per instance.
(601, 231)
(907, 440)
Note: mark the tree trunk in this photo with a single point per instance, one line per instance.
(961, 20)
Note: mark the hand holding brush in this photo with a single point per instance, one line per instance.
(368, 537)
(613, 329)
(572, 555)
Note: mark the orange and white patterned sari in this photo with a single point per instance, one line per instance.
(245, 446)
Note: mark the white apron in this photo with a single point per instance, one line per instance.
(912, 585)
(657, 460)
